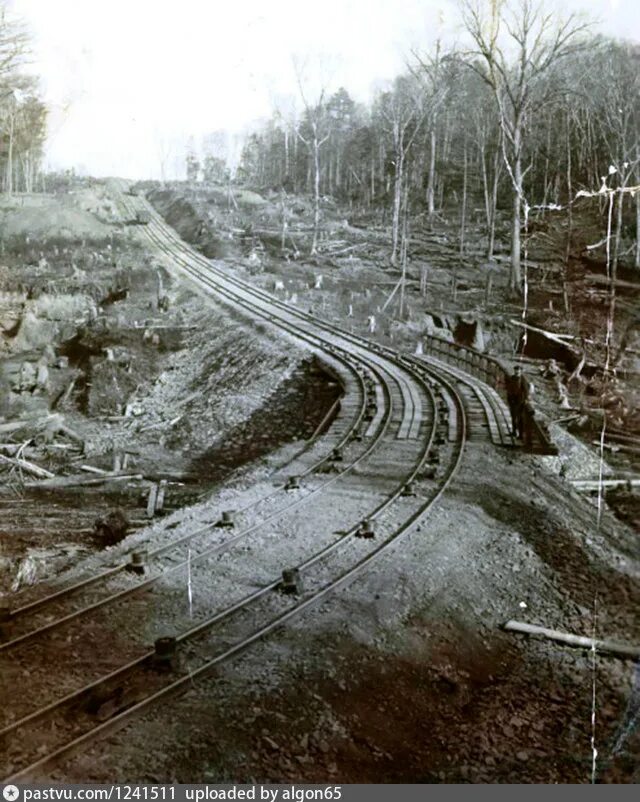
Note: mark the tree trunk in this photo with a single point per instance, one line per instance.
(431, 206)
(616, 242)
(10, 156)
(516, 272)
(494, 203)
(463, 212)
(397, 195)
(565, 296)
(284, 222)
(545, 184)
(405, 243)
(316, 211)
(485, 185)
(373, 178)
(295, 160)
(286, 152)
(637, 260)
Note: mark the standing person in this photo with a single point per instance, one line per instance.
(517, 397)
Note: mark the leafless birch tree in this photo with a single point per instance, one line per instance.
(515, 45)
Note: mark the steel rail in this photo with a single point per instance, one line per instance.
(196, 558)
(345, 577)
(122, 718)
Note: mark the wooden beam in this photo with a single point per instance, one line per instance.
(618, 649)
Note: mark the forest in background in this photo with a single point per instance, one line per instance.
(23, 114)
(535, 112)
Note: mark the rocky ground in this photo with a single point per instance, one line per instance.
(114, 377)
(406, 675)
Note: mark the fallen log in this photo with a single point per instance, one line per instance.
(64, 396)
(588, 485)
(616, 437)
(562, 339)
(91, 469)
(187, 399)
(6, 428)
(61, 482)
(35, 424)
(169, 423)
(617, 649)
(592, 278)
(10, 448)
(28, 467)
(617, 447)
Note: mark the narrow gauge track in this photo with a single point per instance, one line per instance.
(49, 612)
(28, 658)
(321, 574)
(487, 412)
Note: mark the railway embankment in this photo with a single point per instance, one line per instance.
(465, 301)
(114, 379)
(402, 672)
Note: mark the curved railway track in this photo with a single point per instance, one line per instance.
(399, 445)
(49, 612)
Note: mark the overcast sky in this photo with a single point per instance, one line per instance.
(128, 79)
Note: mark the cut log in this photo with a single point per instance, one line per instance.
(617, 447)
(28, 467)
(91, 469)
(588, 485)
(61, 482)
(617, 649)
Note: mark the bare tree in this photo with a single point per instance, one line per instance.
(403, 109)
(619, 119)
(515, 45)
(14, 44)
(316, 138)
(14, 49)
(437, 90)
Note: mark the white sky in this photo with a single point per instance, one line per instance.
(127, 80)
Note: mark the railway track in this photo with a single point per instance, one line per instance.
(42, 615)
(396, 449)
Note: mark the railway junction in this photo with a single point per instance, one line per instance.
(340, 611)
